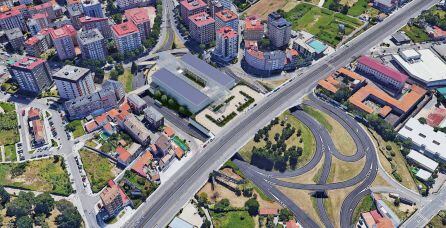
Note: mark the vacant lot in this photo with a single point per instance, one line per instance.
(341, 138)
(10, 153)
(98, 168)
(233, 219)
(76, 127)
(334, 202)
(308, 143)
(127, 80)
(8, 124)
(366, 204)
(321, 22)
(265, 7)
(46, 175)
(416, 34)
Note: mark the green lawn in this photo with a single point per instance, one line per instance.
(8, 124)
(144, 185)
(358, 8)
(127, 80)
(10, 153)
(321, 22)
(366, 204)
(76, 127)
(7, 107)
(436, 221)
(318, 116)
(236, 219)
(46, 175)
(308, 143)
(98, 169)
(416, 34)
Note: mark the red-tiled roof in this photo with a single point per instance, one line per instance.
(29, 62)
(33, 113)
(268, 211)
(87, 19)
(291, 224)
(192, 5)
(374, 64)
(142, 161)
(108, 127)
(179, 152)
(38, 130)
(226, 15)
(137, 15)
(124, 155)
(375, 215)
(91, 126)
(125, 28)
(40, 15)
(169, 131)
(42, 6)
(201, 19)
(32, 41)
(100, 119)
(227, 32)
(253, 23)
(66, 30)
(8, 14)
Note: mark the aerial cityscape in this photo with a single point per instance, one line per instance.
(223, 113)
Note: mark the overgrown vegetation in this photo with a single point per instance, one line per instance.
(137, 188)
(223, 121)
(171, 103)
(8, 124)
(98, 169)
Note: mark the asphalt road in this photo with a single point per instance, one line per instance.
(171, 196)
(364, 148)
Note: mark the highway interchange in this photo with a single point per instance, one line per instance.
(171, 196)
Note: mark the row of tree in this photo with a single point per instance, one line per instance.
(30, 210)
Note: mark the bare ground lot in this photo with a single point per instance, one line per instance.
(265, 7)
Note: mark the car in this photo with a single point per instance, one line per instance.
(19, 144)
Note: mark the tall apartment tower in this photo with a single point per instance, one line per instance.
(92, 8)
(73, 82)
(92, 44)
(279, 30)
(32, 74)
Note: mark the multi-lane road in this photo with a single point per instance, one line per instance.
(171, 196)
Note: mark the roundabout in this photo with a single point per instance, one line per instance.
(271, 181)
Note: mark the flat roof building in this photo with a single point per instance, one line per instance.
(140, 17)
(126, 36)
(422, 161)
(207, 72)
(93, 45)
(32, 74)
(423, 136)
(423, 65)
(226, 18)
(202, 28)
(254, 28)
(183, 92)
(279, 30)
(73, 81)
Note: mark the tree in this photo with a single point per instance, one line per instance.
(134, 68)
(164, 99)
(158, 94)
(24, 222)
(202, 199)
(119, 68)
(222, 205)
(252, 205)
(285, 215)
(18, 207)
(422, 120)
(172, 103)
(109, 59)
(397, 202)
(4, 196)
(114, 74)
(44, 204)
(264, 43)
(117, 18)
(69, 217)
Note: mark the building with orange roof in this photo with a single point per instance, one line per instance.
(140, 165)
(292, 224)
(179, 153)
(126, 36)
(33, 114)
(268, 211)
(226, 45)
(254, 28)
(36, 45)
(46, 7)
(367, 219)
(113, 199)
(436, 33)
(191, 7)
(91, 126)
(12, 19)
(202, 28)
(140, 17)
(226, 18)
(123, 155)
(371, 99)
(64, 39)
(169, 132)
(38, 131)
(384, 223)
(342, 77)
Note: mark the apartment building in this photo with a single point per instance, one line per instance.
(226, 18)
(112, 199)
(75, 11)
(139, 17)
(92, 44)
(15, 38)
(126, 36)
(32, 74)
(92, 8)
(191, 7)
(102, 24)
(226, 47)
(107, 98)
(12, 19)
(254, 28)
(279, 30)
(136, 129)
(44, 8)
(73, 81)
(36, 45)
(64, 39)
(202, 28)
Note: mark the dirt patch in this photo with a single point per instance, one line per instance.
(229, 172)
(304, 200)
(265, 7)
(308, 177)
(342, 171)
(220, 192)
(334, 203)
(380, 182)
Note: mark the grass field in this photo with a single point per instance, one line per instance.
(265, 7)
(10, 134)
(308, 142)
(76, 127)
(398, 163)
(45, 175)
(341, 138)
(321, 22)
(98, 169)
(417, 35)
(358, 8)
(366, 204)
(127, 80)
(232, 219)
(436, 221)
(10, 153)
